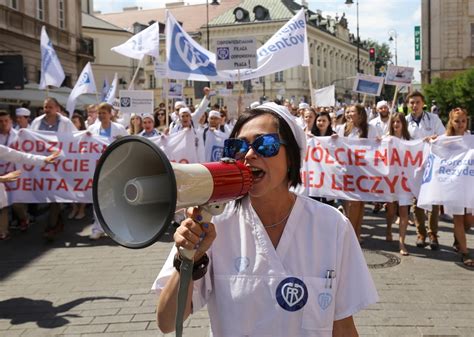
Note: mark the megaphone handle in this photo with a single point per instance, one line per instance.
(207, 212)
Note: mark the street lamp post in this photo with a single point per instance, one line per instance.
(348, 3)
(393, 37)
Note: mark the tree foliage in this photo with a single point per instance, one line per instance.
(457, 91)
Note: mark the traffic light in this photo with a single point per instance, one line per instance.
(372, 54)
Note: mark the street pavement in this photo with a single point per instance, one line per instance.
(78, 287)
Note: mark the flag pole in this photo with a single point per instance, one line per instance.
(135, 75)
(313, 102)
(239, 100)
(165, 87)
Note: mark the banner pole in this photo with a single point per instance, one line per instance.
(395, 97)
(165, 88)
(135, 75)
(239, 100)
(312, 102)
(363, 99)
(391, 110)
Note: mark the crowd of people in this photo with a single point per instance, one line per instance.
(352, 121)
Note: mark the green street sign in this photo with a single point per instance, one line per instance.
(417, 43)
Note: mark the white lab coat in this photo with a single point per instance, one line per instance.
(10, 155)
(253, 289)
(380, 126)
(429, 125)
(117, 131)
(65, 124)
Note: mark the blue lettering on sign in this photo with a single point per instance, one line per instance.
(186, 58)
(292, 294)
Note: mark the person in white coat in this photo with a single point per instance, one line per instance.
(53, 121)
(273, 263)
(112, 131)
(424, 125)
(380, 123)
(10, 155)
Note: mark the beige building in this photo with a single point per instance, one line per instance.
(333, 51)
(20, 30)
(104, 36)
(447, 38)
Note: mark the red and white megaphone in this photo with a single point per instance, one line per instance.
(137, 190)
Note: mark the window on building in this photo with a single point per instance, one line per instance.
(13, 4)
(279, 76)
(40, 10)
(319, 61)
(61, 14)
(188, 83)
(189, 100)
(152, 81)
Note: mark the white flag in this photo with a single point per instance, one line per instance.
(105, 89)
(51, 71)
(110, 96)
(146, 42)
(325, 96)
(287, 48)
(85, 85)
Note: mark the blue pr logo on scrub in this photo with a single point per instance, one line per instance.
(428, 173)
(292, 294)
(324, 300)
(184, 57)
(241, 263)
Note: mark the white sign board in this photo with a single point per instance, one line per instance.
(175, 90)
(161, 71)
(397, 75)
(136, 101)
(236, 53)
(367, 84)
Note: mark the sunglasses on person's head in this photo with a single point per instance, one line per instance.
(265, 145)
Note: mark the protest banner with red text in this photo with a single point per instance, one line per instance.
(362, 169)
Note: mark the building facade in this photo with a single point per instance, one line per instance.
(20, 32)
(447, 38)
(333, 49)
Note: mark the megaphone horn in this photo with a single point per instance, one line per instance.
(136, 189)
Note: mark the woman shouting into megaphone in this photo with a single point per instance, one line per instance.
(274, 263)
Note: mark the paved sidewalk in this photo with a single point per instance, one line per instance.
(75, 287)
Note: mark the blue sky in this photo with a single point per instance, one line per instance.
(376, 19)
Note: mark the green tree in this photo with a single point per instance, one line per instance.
(457, 91)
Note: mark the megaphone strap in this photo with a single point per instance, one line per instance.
(199, 266)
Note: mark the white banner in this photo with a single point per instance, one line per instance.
(70, 178)
(188, 60)
(52, 72)
(361, 169)
(448, 178)
(325, 96)
(147, 42)
(136, 101)
(85, 85)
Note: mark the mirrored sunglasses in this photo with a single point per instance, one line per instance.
(265, 145)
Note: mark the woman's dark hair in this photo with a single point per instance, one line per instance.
(363, 124)
(81, 121)
(329, 131)
(284, 130)
(157, 120)
(403, 121)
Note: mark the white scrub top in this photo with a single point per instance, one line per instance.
(253, 289)
(380, 126)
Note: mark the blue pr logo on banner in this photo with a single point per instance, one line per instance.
(216, 153)
(428, 173)
(184, 57)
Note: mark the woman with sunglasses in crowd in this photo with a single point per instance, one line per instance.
(160, 120)
(398, 127)
(277, 263)
(463, 218)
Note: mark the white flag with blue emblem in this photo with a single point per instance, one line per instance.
(110, 96)
(85, 85)
(287, 48)
(105, 89)
(51, 71)
(147, 42)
